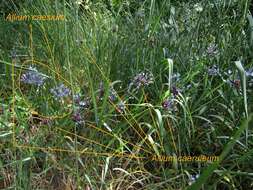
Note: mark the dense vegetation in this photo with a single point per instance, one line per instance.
(88, 101)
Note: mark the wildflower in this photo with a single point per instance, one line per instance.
(112, 94)
(140, 13)
(228, 73)
(77, 117)
(193, 178)
(81, 103)
(213, 71)
(167, 104)
(60, 91)
(176, 77)
(32, 76)
(142, 79)
(249, 72)
(212, 49)
(85, 103)
(175, 91)
(121, 107)
(77, 98)
(198, 7)
(45, 121)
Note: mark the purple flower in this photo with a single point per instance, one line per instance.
(77, 117)
(60, 91)
(46, 121)
(112, 95)
(175, 91)
(121, 107)
(176, 77)
(142, 79)
(85, 103)
(32, 76)
(228, 73)
(249, 72)
(77, 98)
(213, 71)
(193, 178)
(212, 49)
(167, 104)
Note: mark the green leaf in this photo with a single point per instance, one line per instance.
(210, 169)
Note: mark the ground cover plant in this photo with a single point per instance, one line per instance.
(101, 98)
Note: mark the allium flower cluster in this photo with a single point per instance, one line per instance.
(32, 76)
(112, 92)
(77, 117)
(249, 73)
(142, 79)
(167, 104)
(112, 95)
(176, 77)
(121, 107)
(175, 91)
(60, 91)
(193, 178)
(213, 71)
(212, 50)
(80, 102)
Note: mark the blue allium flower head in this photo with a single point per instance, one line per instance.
(112, 95)
(212, 49)
(167, 104)
(193, 178)
(249, 73)
(81, 102)
(121, 107)
(141, 79)
(176, 77)
(213, 71)
(77, 98)
(77, 117)
(85, 103)
(32, 76)
(60, 91)
(175, 91)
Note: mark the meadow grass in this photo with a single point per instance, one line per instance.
(88, 101)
